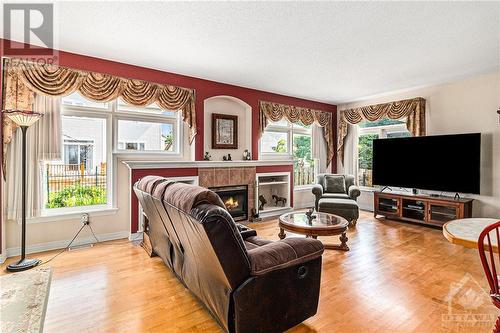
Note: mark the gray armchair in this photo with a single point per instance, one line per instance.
(337, 195)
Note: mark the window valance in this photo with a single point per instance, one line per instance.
(24, 79)
(275, 112)
(411, 109)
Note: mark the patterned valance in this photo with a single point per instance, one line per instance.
(275, 112)
(23, 79)
(411, 109)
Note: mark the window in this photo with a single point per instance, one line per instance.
(80, 179)
(283, 139)
(303, 164)
(143, 135)
(274, 142)
(369, 131)
(91, 131)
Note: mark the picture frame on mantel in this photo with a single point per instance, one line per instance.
(224, 131)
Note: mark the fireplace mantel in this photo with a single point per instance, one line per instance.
(201, 164)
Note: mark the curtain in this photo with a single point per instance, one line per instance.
(411, 109)
(43, 142)
(319, 148)
(61, 81)
(275, 112)
(350, 165)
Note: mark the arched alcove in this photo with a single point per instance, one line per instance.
(232, 106)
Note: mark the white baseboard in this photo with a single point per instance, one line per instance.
(55, 245)
(136, 236)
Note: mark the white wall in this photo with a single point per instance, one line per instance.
(465, 106)
(232, 106)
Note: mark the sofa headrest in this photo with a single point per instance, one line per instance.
(147, 184)
(186, 197)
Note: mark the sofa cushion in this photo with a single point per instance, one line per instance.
(335, 184)
(337, 203)
(335, 196)
(284, 253)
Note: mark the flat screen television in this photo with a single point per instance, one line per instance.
(448, 163)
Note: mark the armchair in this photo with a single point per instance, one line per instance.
(337, 198)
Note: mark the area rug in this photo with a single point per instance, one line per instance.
(23, 300)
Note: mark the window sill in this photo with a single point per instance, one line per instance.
(73, 215)
(303, 188)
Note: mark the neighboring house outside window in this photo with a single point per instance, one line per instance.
(290, 141)
(91, 133)
(369, 131)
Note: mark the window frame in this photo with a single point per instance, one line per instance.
(111, 114)
(381, 131)
(290, 129)
(86, 112)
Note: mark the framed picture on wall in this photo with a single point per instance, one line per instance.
(224, 131)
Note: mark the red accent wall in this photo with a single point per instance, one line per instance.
(204, 89)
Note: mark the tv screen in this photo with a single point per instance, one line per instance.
(448, 163)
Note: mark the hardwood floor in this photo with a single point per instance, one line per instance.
(397, 277)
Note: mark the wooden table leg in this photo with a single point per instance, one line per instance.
(342, 246)
(282, 234)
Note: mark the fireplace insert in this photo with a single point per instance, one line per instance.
(235, 198)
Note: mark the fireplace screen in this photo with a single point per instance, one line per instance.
(235, 198)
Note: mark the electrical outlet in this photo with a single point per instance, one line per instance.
(85, 219)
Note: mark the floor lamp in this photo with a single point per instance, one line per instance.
(23, 119)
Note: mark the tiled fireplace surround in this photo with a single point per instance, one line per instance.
(216, 177)
(209, 173)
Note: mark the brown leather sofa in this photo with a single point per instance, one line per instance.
(247, 283)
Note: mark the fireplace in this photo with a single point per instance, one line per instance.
(235, 198)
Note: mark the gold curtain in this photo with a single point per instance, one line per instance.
(30, 78)
(411, 109)
(275, 112)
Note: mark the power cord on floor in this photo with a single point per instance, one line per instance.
(65, 249)
(85, 222)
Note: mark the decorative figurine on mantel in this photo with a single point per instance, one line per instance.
(224, 158)
(207, 156)
(246, 155)
(262, 202)
(277, 199)
(229, 157)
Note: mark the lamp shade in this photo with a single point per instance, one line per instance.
(23, 118)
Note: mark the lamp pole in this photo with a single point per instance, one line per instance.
(24, 119)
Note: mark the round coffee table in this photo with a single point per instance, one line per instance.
(323, 224)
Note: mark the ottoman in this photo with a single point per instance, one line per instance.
(347, 208)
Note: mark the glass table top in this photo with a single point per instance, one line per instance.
(321, 221)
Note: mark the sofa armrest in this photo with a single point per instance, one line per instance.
(354, 192)
(283, 253)
(317, 190)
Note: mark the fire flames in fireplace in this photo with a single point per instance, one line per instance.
(231, 203)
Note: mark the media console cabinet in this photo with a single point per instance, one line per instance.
(423, 209)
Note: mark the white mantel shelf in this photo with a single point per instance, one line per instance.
(201, 164)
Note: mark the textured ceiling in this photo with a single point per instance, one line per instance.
(330, 51)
